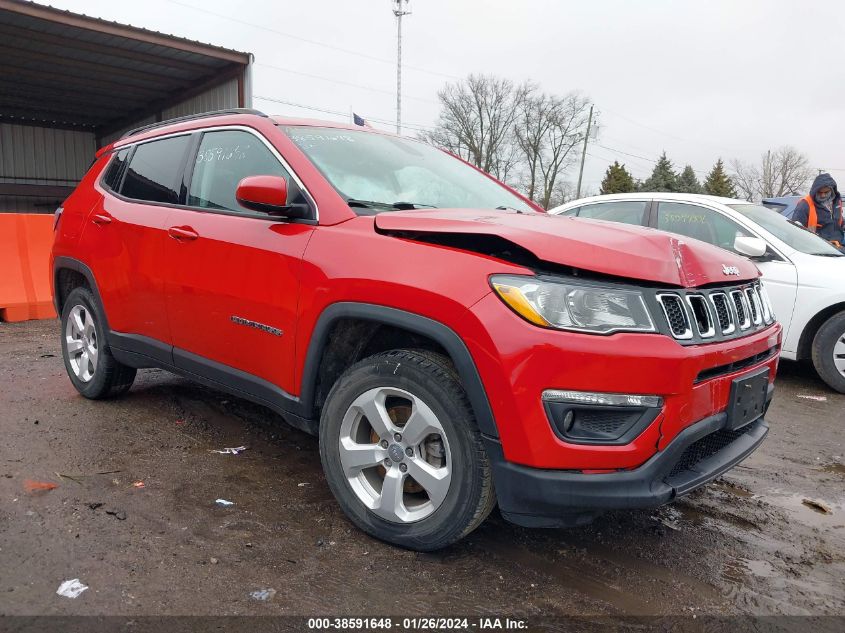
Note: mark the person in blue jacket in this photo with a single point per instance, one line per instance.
(821, 210)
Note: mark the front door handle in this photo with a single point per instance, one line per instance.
(101, 219)
(182, 233)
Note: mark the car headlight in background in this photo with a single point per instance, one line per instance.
(574, 306)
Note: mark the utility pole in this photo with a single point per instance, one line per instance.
(400, 8)
(584, 153)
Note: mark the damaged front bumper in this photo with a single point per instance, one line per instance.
(535, 497)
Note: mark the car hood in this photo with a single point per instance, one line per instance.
(610, 248)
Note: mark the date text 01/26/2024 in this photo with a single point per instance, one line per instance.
(418, 624)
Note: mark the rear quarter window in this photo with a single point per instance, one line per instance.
(154, 173)
(114, 172)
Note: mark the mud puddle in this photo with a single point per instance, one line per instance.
(836, 468)
(811, 511)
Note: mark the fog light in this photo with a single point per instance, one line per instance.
(604, 399)
(568, 420)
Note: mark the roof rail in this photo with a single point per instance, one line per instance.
(191, 117)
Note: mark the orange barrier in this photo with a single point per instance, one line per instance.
(25, 242)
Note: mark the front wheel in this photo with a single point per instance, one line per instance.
(402, 453)
(829, 352)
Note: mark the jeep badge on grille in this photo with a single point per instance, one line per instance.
(730, 270)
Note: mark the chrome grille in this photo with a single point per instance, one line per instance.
(768, 314)
(723, 312)
(739, 301)
(676, 315)
(754, 305)
(703, 315)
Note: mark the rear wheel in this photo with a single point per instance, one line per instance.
(829, 352)
(89, 362)
(402, 453)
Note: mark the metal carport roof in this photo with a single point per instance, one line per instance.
(71, 71)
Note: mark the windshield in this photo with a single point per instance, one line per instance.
(378, 173)
(792, 235)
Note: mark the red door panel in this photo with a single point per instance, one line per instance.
(232, 290)
(124, 236)
(123, 244)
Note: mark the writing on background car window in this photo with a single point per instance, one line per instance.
(211, 154)
(685, 218)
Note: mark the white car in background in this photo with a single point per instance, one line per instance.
(803, 274)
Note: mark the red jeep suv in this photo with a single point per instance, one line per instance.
(452, 346)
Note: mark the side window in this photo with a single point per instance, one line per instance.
(625, 211)
(155, 170)
(571, 212)
(700, 223)
(114, 172)
(223, 160)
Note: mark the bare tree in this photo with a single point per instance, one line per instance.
(785, 171)
(745, 179)
(781, 172)
(548, 130)
(477, 122)
(533, 123)
(565, 134)
(511, 131)
(562, 193)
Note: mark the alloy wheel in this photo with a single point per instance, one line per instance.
(395, 455)
(82, 344)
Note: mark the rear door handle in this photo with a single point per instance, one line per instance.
(101, 219)
(182, 233)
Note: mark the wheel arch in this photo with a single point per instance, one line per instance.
(67, 275)
(419, 327)
(805, 342)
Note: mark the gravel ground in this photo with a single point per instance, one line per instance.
(746, 544)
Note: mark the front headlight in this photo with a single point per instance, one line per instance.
(574, 306)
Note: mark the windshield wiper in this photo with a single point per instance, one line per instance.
(375, 204)
(502, 207)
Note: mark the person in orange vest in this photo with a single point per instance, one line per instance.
(821, 210)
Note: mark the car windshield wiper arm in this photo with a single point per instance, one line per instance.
(402, 206)
(502, 207)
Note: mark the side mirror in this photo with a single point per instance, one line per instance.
(750, 246)
(268, 194)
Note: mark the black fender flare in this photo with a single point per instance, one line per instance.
(442, 334)
(69, 263)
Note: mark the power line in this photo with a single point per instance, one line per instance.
(306, 40)
(341, 82)
(663, 132)
(418, 127)
(700, 172)
(619, 151)
(604, 158)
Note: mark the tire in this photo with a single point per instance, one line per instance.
(92, 369)
(422, 397)
(828, 343)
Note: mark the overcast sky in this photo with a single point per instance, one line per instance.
(699, 79)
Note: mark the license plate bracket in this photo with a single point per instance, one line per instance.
(747, 399)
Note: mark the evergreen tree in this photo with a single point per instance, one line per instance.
(718, 182)
(617, 179)
(663, 178)
(688, 183)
